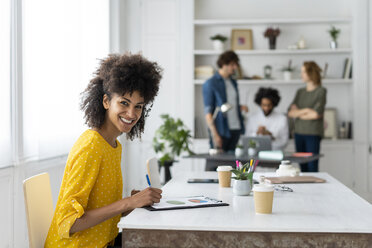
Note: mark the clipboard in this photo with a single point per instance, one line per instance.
(175, 203)
(296, 179)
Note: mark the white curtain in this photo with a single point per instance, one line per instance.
(62, 42)
(5, 114)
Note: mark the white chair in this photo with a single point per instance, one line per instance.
(153, 172)
(39, 208)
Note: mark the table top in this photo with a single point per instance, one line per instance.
(317, 207)
(231, 157)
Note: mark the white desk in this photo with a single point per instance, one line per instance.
(314, 214)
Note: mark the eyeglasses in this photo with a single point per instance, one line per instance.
(283, 188)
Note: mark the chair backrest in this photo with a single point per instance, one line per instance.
(39, 208)
(153, 172)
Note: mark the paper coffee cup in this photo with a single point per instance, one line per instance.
(263, 198)
(224, 175)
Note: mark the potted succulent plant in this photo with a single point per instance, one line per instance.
(218, 42)
(252, 148)
(170, 139)
(239, 151)
(271, 34)
(334, 33)
(287, 71)
(242, 185)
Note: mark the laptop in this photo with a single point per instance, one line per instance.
(263, 143)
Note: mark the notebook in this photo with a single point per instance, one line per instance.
(173, 203)
(153, 172)
(296, 179)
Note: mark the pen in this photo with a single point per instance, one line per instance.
(148, 180)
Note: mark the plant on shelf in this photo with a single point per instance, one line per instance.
(334, 33)
(219, 42)
(271, 34)
(170, 139)
(287, 71)
(219, 37)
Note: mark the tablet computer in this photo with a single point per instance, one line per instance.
(202, 180)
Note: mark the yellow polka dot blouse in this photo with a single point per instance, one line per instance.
(92, 179)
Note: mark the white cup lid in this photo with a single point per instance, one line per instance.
(224, 168)
(263, 187)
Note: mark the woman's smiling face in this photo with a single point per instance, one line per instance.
(123, 112)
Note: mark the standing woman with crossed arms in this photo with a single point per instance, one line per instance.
(90, 202)
(307, 109)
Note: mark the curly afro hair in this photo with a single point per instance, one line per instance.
(121, 74)
(269, 93)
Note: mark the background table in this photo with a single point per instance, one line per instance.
(325, 214)
(212, 161)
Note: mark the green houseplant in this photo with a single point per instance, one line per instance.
(242, 184)
(218, 41)
(334, 33)
(170, 139)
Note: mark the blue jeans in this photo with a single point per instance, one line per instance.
(308, 143)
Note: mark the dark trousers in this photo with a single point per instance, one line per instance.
(308, 143)
(228, 145)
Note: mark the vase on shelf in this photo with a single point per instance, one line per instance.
(272, 42)
(218, 45)
(333, 44)
(287, 75)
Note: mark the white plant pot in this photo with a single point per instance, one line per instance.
(251, 151)
(242, 187)
(287, 75)
(239, 152)
(333, 44)
(218, 45)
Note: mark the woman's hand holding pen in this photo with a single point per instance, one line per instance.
(146, 197)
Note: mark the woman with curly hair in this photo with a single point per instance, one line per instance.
(90, 201)
(267, 121)
(307, 109)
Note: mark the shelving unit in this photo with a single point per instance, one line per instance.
(314, 29)
(206, 22)
(283, 82)
(279, 51)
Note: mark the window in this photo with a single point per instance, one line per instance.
(5, 131)
(62, 42)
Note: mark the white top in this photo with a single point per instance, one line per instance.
(312, 207)
(276, 123)
(232, 114)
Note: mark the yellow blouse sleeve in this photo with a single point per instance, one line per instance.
(80, 180)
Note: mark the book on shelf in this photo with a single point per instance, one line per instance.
(204, 72)
(347, 69)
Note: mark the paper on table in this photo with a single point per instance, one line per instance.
(186, 202)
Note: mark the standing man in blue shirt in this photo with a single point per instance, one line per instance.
(221, 88)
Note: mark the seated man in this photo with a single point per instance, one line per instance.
(267, 121)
